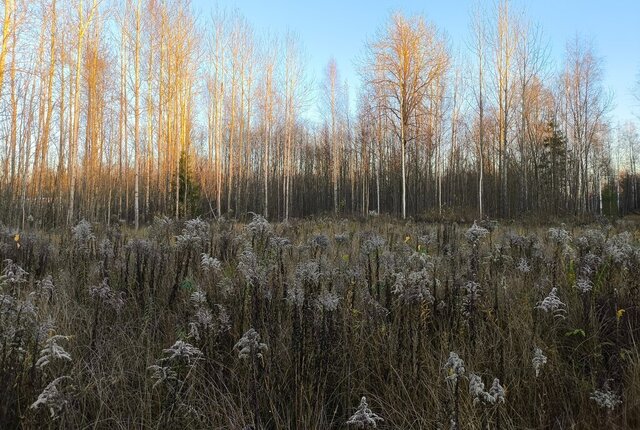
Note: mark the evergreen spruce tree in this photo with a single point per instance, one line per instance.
(189, 188)
(553, 163)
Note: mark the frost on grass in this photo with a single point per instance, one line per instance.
(52, 351)
(552, 304)
(538, 361)
(454, 367)
(363, 417)
(249, 344)
(53, 397)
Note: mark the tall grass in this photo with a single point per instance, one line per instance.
(226, 325)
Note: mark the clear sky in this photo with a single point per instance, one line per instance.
(339, 28)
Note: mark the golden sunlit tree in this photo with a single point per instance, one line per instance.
(403, 60)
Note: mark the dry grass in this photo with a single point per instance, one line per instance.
(387, 339)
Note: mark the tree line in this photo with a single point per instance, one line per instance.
(128, 109)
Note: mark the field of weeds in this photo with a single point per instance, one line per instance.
(320, 324)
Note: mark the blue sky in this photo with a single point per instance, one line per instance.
(340, 28)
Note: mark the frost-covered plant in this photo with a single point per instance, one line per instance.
(251, 268)
(591, 238)
(210, 264)
(497, 391)
(279, 243)
(12, 274)
(426, 239)
(553, 304)
(172, 370)
(258, 227)
(475, 233)
(203, 318)
(162, 228)
(249, 345)
(454, 367)
(139, 246)
(495, 395)
(223, 319)
(559, 236)
(195, 234)
(523, 265)
(320, 242)
(295, 296)
(105, 295)
(105, 249)
(83, 236)
(476, 390)
(328, 301)
(198, 298)
(373, 308)
(538, 361)
(606, 399)
(163, 375)
(584, 285)
(371, 243)
(341, 238)
(419, 261)
(52, 351)
(590, 263)
(250, 348)
(514, 239)
(619, 248)
(307, 273)
(412, 288)
(53, 397)
(363, 417)
(181, 353)
(471, 298)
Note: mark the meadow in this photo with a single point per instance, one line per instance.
(321, 324)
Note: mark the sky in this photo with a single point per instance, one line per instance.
(340, 29)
